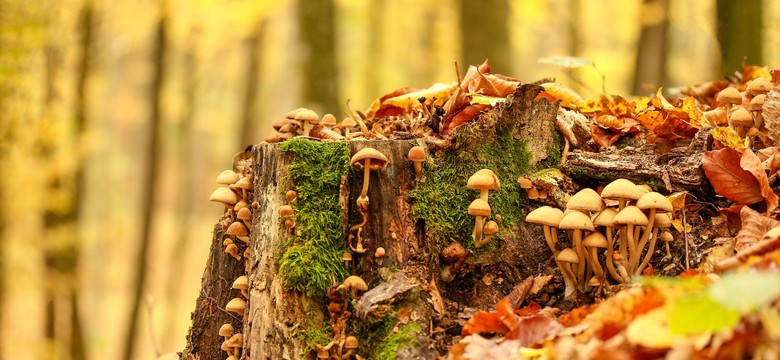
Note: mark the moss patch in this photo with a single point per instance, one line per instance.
(443, 201)
(379, 342)
(312, 256)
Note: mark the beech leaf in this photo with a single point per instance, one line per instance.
(534, 329)
(729, 179)
(754, 226)
(751, 163)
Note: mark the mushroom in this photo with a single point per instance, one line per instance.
(237, 343)
(348, 124)
(225, 196)
(227, 177)
(661, 221)
(479, 209)
(379, 253)
(232, 249)
(239, 205)
(226, 331)
(741, 120)
(290, 196)
(525, 183)
(622, 190)
(592, 243)
(577, 221)
(236, 305)
(620, 262)
(586, 200)
(756, 106)
(239, 230)
(245, 215)
(565, 259)
(667, 238)
(286, 212)
(758, 86)
(353, 283)
(245, 184)
(242, 283)
(329, 121)
(306, 116)
(350, 343)
(550, 217)
(605, 218)
(491, 227)
(368, 159)
(417, 156)
(453, 252)
(630, 216)
(653, 202)
(483, 180)
(347, 257)
(729, 96)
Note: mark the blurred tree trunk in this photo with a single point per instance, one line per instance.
(575, 41)
(484, 27)
(317, 34)
(739, 33)
(149, 184)
(650, 63)
(60, 218)
(249, 118)
(373, 78)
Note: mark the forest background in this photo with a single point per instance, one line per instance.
(117, 115)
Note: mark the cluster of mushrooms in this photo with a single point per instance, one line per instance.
(234, 194)
(742, 111)
(306, 122)
(531, 191)
(637, 217)
(482, 180)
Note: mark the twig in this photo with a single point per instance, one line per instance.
(457, 73)
(685, 236)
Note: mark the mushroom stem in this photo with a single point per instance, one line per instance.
(417, 169)
(594, 262)
(366, 174)
(483, 194)
(668, 250)
(610, 251)
(581, 255)
(634, 260)
(649, 253)
(477, 235)
(620, 262)
(548, 236)
(632, 246)
(569, 278)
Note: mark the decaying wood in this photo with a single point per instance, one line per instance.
(676, 170)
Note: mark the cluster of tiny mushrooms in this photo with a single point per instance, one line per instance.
(635, 212)
(234, 194)
(741, 111)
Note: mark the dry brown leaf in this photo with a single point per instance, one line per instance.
(750, 162)
(569, 98)
(729, 179)
(436, 301)
(754, 226)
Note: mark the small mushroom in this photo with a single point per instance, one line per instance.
(593, 242)
(479, 209)
(347, 257)
(306, 116)
(239, 230)
(586, 200)
(226, 331)
(351, 344)
(224, 195)
(491, 227)
(483, 180)
(236, 305)
(565, 259)
(653, 202)
(329, 121)
(667, 238)
(353, 283)
(417, 156)
(605, 218)
(630, 217)
(453, 252)
(227, 177)
(379, 253)
(348, 124)
(368, 159)
(242, 283)
(232, 249)
(756, 106)
(237, 343)
(290, 196)
(286, 212)
(741, 120)
(729, 96)
(244, 185)
(245, 215)
(758, 86)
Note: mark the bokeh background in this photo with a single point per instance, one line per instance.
(117, 115)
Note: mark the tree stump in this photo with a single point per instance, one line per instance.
(414, 298)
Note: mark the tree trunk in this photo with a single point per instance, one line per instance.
(249, 115)
(650, 63)
(413, 294)
(484, 27)
(739, 30)
(317, 32)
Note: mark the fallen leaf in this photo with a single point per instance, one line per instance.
(754, 226)
(435, 300)
(729, 179)
(728, 137)
(698, 313)
(569, 98)
(465, 115)
(439, 92)
(534, 329)
(750, 162)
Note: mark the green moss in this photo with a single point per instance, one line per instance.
(311, 257)
(554, 151)
(391, 345)
(443, 200)
(379, 342)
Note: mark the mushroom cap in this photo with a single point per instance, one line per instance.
(241, 283)
(453, 252)
(525, 183)
(491, 227)
(279, 124)
(224, 195)
(605, 217)
(378, 159)
(380, 251)
(667, 236)
(545, 215)
(576, 220)
(346, 257)
(587, 200)
(483, 179)
(244, 214)
(348, 122)
(630, 215)
(291, 114)
(729, 95)
(240, 204)
(227, 177)
(757, 103)
(226, 330)
(759, 86)
(568, 255)
(355, 282)
(594, 281)
(479, 207)
(291, 195)
(741, 117)
(307, 115)
(654, 200)
(236, 341)
(328, 120)
(351, 342)
(595, 239)
(244, 183)
(621, 188)
(236, 305)
(285, 211)
(231, 249)
(416, 153)
(237, 228)
(662, 220)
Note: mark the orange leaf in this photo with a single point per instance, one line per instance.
(754, 226)
(534, 329)
(484, 322)
(729, 179)
(466, 114)
(750, 162)
(605, 138)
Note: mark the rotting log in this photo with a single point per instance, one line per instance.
(400, 282)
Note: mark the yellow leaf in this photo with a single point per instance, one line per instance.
(728, 137)
(441, 92)
(678, 200)
(677, 223)
(485, 100)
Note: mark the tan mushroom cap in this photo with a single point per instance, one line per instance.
(453, 252)
(483, 179)
(285, 211)
(241, 283)
(236, 305)
(491, 227)
(379, 252)
(292, 113)
(227, 177)
(525, 183)
(586, 200)
(545, 215)
(568, 255)
(654, 200)
(307, 115)
(348, 123)
(226, 330)
(479, 207)
(237, 228)
(576, 220)
(594, 281)
(244, 183)
(667, 236)
(328, 120)
(378, 160)
(630, 215)
(759, 86)
(757, 103)
(244, 214)
(729, 95)
(605, 217)
(416, 153)
(355, 282)
(621, 188)
(291, 195)
(346, 256)
(236, 341)
(224, 195)
(351, 342)
(662, 220)
(595, 239)
(741, 117)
